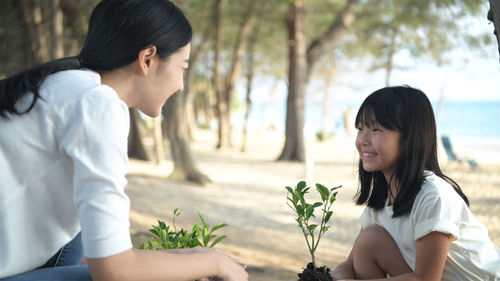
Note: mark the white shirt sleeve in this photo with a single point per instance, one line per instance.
(437, 211)
(366, 218)
(96, 141)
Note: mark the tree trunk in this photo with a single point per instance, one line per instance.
(188, 97)
(184, 165)
(300, 67)
(203, 110)
(35, 37)
(239, 50)
(176, 126)
(494, 16)
(297, 76)
(389, 65)
(136, 148)
(250, 75)
(221, 102)
(56, 26)
(158, 139)
(225, 92)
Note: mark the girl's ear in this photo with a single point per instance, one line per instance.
(145, 60)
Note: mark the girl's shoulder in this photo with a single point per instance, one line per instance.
(436, 187)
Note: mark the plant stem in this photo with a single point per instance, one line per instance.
(305, 236)
(313, 248)
(322, 224)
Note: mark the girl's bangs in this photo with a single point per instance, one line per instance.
(366, 117)
(377, 114)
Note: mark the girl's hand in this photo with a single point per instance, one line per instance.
(335, 276)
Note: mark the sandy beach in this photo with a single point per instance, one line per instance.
(248, 193)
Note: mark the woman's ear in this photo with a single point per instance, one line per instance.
(145, 60)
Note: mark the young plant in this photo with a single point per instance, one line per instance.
(312, 230)
(166, 238)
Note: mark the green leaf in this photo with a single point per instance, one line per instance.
(312, 227)
(301, 198)
(206, 239)
(317, 204)
(309, 212)
(161, 224)
(301, 185)
(201, 218)
(152, 245)
(335, 188)
(163, 235)
(220, 238)
(289, 189)
(328, 216)
(333, 197)
(204, 230)
(219, 226)
(300, 210)
(295, 199)
(323, 191)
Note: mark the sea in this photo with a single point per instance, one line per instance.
(472, 126)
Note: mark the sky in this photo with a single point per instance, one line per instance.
(469, 75)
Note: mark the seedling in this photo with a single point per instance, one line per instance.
(313, 231)
(200, 236)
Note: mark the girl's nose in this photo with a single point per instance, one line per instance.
(362, 138)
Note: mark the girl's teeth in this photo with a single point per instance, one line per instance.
(368, 154)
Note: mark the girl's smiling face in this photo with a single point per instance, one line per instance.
(378, 148)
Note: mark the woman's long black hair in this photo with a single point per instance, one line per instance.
(408, 111)
(118, 30)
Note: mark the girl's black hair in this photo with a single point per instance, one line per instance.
(408, 111)
(118, 30)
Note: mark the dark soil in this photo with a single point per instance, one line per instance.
(315, 274)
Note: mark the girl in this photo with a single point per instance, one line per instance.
(417, 224)
(63, 155)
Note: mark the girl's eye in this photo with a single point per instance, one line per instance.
(376, 129)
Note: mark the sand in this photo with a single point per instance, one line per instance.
(248, 193)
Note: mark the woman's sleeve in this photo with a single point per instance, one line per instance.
(95, 138)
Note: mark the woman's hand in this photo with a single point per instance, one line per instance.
(230, 269)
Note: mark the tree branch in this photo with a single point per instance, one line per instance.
(342, 21)
(494, 16)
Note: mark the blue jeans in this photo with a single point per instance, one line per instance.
(63, 266)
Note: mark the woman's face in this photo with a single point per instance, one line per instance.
(166, 80)
(378, 149)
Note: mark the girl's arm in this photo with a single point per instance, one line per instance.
(176, 265)
(432, 251)
(344, 270)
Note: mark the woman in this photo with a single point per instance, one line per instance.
(63, 152)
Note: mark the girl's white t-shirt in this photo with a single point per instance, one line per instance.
(63, 167)
(438, 207)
